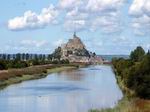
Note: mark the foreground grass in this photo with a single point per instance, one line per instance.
(13, 76)
(129, 105)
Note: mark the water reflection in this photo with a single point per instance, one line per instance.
(73, 75)
(61, 88)
(69, 91)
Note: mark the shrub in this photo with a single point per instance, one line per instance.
(135, 72)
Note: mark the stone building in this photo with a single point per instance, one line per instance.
(73, 46)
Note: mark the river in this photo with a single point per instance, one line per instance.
(94, 87)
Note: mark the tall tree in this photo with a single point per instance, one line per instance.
(4, 57)
(18, 56)
(27, 56)
(8, 57)
(44, 57)
(23, 56)
(40, 57)
(57, 53)
(137, 54)
(50, 57)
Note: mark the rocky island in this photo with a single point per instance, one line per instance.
(75, 51)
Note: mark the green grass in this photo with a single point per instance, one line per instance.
(15, 80)
(125, 105)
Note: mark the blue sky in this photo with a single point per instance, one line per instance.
(105, 26)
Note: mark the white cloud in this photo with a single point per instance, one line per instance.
(77, 15)
(69, 4)
(139, 8)
(104, 5)
(136, 9)
(76, 20)
(122, 40)
(106, 24)
(148, 46)
(94, 15)
(58, 42)
(33, 43)
(75, 25)
(141, 25)
(27, 46)
(140, 12)
(91, 5)
(108, 21)
(31, 20)
(147, 7)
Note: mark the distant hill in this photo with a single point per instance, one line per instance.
(110, 57)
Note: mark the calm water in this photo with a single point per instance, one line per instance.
(70, 91)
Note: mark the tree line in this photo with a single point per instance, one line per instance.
(23, 60)
(135, 72)
(23, 56)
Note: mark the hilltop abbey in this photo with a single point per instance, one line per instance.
(75, 51)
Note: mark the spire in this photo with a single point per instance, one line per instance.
(74, 35)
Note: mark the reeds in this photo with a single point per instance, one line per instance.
(133, 105)
(11, 73)
(32, 70)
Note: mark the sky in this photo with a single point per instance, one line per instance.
(105, 26)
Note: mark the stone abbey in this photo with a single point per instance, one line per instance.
(75, 51)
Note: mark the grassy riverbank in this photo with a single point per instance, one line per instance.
(12, 76)
(129, 103)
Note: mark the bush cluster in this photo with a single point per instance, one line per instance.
(8, 64)
(135, 72)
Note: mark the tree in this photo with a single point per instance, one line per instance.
(8, 57)
(94, 54)
(36, 57)
(19, 64)
(4, 56)
(3, 65)
(148, 53)
(137, 54)
(50, 57)
(135, 72)
(35, 61)
(57, 53)
(14, 56)
(27, 56)
(40, 57)
(139, 78)
(66, 61)
(23, 56)
(18, 56)
(44, 57)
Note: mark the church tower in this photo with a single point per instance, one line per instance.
(74, 35)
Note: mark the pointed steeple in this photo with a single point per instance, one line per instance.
(74, 35)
